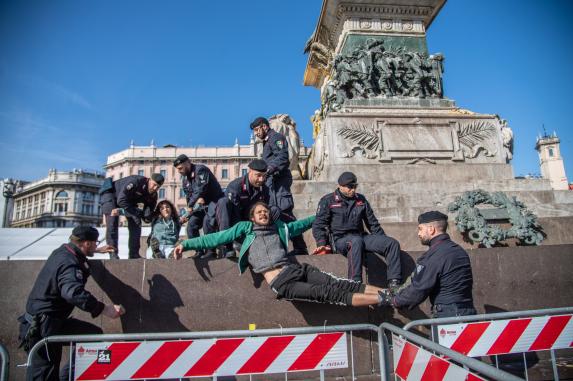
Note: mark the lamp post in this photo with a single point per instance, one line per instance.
(8, 193)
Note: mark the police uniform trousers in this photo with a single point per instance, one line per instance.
(354, 247)
(108, 203)
(308, 283)
(46, 363)
(202, 219)
(281, 196)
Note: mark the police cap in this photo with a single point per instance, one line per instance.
(258, 122)
(258, 165)
(158, 178)
(180, 160)
(431, 216)
(85, 233)
(347, 178)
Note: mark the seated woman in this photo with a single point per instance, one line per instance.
(165, 228)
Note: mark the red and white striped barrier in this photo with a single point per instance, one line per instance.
(508, 336)
(210, 357)
(413, 363)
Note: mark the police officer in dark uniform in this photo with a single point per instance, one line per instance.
(121, 197)
(202, 191)
(279, 177)
(240, 195)
(58, 289)
(443, 273)
(343, 214)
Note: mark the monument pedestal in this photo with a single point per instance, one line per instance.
(385, 144)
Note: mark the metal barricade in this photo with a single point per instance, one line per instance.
(502, 331)
(416, 362)
(182, 339)
(5, 358)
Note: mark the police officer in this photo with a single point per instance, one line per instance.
(121, 197)
(279, 177)
(202, 191)
(240, 195)
(57, 290)
(443, 273)
(343, 214)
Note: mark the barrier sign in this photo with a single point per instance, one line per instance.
(508, 336)
(209, 357)
(412, 362)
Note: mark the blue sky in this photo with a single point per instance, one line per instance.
(80, 79)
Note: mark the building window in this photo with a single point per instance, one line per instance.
(244, 171)
(89, 196)
(224, 173)
(551, 152)
(181, 192)
(161, 193)
(141, 172)
(62, 194)
(163, 173)
(121, 175)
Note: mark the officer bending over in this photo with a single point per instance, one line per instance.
(202, 191)
(344, 213)
(265, 250)
(443, 273)
(57, 290)
(121, 197)
(240, 195)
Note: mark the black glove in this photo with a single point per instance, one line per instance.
(385, 298)
(147, 215)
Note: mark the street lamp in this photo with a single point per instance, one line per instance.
(8, 193)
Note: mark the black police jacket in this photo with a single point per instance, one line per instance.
(132, 190)
(341, 216)
(201, 183)
(243, 196)
(275, 153)
(60, 285)
(443, 273)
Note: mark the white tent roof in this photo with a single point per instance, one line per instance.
(38, 243)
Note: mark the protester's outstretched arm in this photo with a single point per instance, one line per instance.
(213, 240)
(298, 227)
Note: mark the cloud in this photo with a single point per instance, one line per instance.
(55, 89)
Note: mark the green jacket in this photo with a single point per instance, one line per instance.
(245, 229)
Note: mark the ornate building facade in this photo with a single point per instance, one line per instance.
(63, 199)
(226, 163)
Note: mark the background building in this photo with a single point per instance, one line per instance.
(551, 162)
(63, 199)
(226, 163)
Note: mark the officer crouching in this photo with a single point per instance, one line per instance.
(443, 273)
(59, 288)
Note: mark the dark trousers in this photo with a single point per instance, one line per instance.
(46, 363)
(281, 196)
(112, 226)
(308, 283)
(355, 246)
(202, 219)
(454, 309)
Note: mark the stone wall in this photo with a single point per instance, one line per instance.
(162, 296)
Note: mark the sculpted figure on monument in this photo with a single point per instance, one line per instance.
(371, 71)
(437, 68)
(284, 124)
(507, 136)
